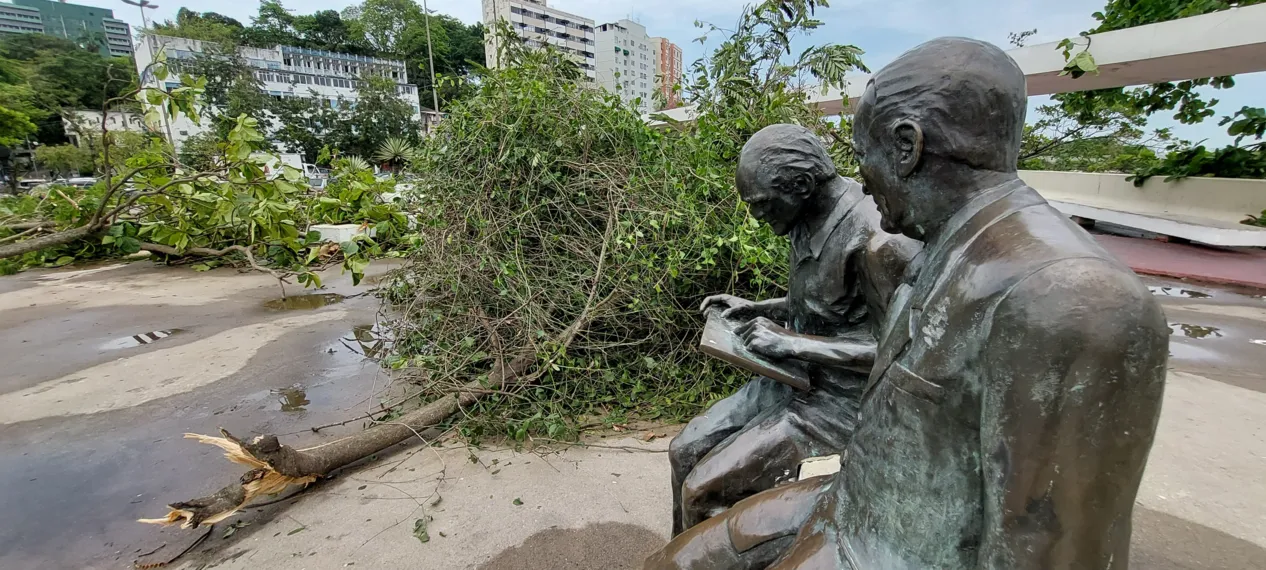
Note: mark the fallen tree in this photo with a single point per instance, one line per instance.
(240, 203)
(563, 246)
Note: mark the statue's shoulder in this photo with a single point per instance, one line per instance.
(1086, 295)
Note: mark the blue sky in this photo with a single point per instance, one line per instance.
(883, 28)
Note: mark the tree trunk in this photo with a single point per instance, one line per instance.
(35, 244)
(276, 466)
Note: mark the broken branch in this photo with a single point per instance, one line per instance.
(275, 466)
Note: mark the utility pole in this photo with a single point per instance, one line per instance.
(144, 5)
(430, 56)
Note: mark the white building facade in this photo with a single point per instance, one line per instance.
(538, 24)
(284, 71)
(626, 63)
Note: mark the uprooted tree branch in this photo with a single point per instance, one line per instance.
(243, 202)
(562, 246)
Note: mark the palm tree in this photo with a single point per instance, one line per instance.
(396, 151)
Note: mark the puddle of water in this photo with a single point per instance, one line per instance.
(1194, 331)
(293, 399)
(370, 341)
(139, 339)
(1177, 292)
(304, 302)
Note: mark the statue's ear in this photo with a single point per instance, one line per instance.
(909, 139)
(805, 184)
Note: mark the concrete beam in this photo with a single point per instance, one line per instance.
(1222, 43)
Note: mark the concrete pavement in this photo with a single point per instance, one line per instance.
(94, 397)
(90, 440)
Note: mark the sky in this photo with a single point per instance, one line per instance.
(883, 28)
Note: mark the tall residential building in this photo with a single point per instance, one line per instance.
(626, 62)
(538, 24)
(668, 70)
(284, 71)
(69, 21)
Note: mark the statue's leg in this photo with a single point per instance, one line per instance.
(763, 455)
(750, 536)
(721, 421)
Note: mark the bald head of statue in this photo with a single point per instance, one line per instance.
(781, 169)
(937, 125)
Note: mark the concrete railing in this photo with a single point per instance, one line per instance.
(1205, 210)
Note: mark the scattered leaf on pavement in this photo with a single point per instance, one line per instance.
(419, 530)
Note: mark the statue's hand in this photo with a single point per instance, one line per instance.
(760, 337)
(729, 303)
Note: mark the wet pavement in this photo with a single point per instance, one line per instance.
(104, 369)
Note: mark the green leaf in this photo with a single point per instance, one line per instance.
(128, 245)
(349, 247)
(419, 530)
(200, 267)
(517, 502)
(63, 261)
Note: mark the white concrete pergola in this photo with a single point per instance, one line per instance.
(1229, 42)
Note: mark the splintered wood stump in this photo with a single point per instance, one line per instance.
(274, 466)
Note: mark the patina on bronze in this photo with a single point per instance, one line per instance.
(844, 269)
(1018, 381)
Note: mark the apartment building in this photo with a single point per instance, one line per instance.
(668, 70)
(70, 21)
(626, 63)
(538, 25)
(285, 71)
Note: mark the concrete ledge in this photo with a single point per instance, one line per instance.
(1204, 210)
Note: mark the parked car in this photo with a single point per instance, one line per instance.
(26, 184)
(79, 182)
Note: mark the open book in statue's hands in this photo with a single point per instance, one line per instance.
(721, 341)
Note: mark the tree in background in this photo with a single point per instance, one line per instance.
(377, 115)
(1182, 158)
(64, 160)
(41, 75)
(205, 26)
(388, 29)
(15, 126)
(232, 89)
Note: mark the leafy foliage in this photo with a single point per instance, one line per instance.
(14, 126)
(232, 205)
(396, 151)
(40, 75)
(64, 160)
(555, 222)
(390, 29)
(1182, 159)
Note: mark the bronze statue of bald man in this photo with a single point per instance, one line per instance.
(1019, 374)
(843, 271)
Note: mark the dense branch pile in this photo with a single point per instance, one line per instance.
(546, 200)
